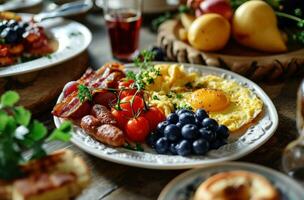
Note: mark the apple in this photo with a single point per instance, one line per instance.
(221, 7)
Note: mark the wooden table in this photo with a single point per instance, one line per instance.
(113, 181)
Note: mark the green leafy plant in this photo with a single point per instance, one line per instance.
(20, 134)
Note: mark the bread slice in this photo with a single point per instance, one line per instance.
(58, 176)
(236, 185)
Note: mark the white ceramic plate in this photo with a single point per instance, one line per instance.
(183, 186)
(253, 138)
(12, 5)
(72, 37)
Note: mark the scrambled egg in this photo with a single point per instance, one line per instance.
(225, 100)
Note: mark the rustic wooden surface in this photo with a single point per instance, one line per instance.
(254, 64)
(112, 181)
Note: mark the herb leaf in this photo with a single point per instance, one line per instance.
(84, 93)
(22, 116)
(62, 133)
(9, 98)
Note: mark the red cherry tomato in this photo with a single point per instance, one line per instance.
(126, 89)
(125, 83)
(137, 105)
(121, 117)
(154, 116)
(69, 88)
(137, 129)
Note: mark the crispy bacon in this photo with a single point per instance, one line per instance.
(106, 77)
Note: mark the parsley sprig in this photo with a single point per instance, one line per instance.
(147, 72)
(84, 93)
(19, 134)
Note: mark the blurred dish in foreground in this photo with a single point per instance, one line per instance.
(238, 178)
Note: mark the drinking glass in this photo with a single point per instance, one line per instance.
(293, 155)
(123, 21)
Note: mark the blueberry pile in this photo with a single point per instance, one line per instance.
(12, 31)
(185, 132)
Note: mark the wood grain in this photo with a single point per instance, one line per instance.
(47, 84)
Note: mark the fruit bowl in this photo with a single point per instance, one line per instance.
(253, 64)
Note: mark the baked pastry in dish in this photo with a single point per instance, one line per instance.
(236, 185)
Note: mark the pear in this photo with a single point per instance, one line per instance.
(254, 25)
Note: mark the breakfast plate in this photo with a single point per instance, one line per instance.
(71, 39)
(238, 144)
(184, 186)
(18, 4)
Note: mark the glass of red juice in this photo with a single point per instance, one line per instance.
(123, 20)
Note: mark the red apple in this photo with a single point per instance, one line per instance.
(221, 7)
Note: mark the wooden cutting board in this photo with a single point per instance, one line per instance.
(247, 62)
(38, 94)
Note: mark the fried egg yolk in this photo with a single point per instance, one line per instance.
(210, 100)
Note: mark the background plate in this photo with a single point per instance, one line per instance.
(12, 5)
(254, 137)
(183, 186)
(72, 37)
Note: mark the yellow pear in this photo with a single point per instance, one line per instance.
(209, 32)
(255, 25)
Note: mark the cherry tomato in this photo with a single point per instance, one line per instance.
(125, 83)
(69, 88)
(125, 86)
(137, 105)
(154, 116)
(121, 117)
(137, 129)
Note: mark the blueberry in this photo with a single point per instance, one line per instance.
(201, 114)
(198, 123)
(172, 132)
(222, 131)
(207, 134)
(181, 111)
(152, 138)
(10, 36)
(19, 30)
(162, 145)
(24, 25)
(180, 125)
(2, 27)
(183, 148)
(200, 146)
(210, 124)
(12, 23)
(159, 53)
(172, 118)
(190, 131)
(161, 126)
(172, 148)
(186, 118)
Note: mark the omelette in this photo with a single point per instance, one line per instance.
(226, 101)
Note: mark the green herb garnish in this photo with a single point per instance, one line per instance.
(184, 105)
(84, 93)
(19, 134)
(179, 96)
(189, 85)
(154, 97)
(147, 72)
